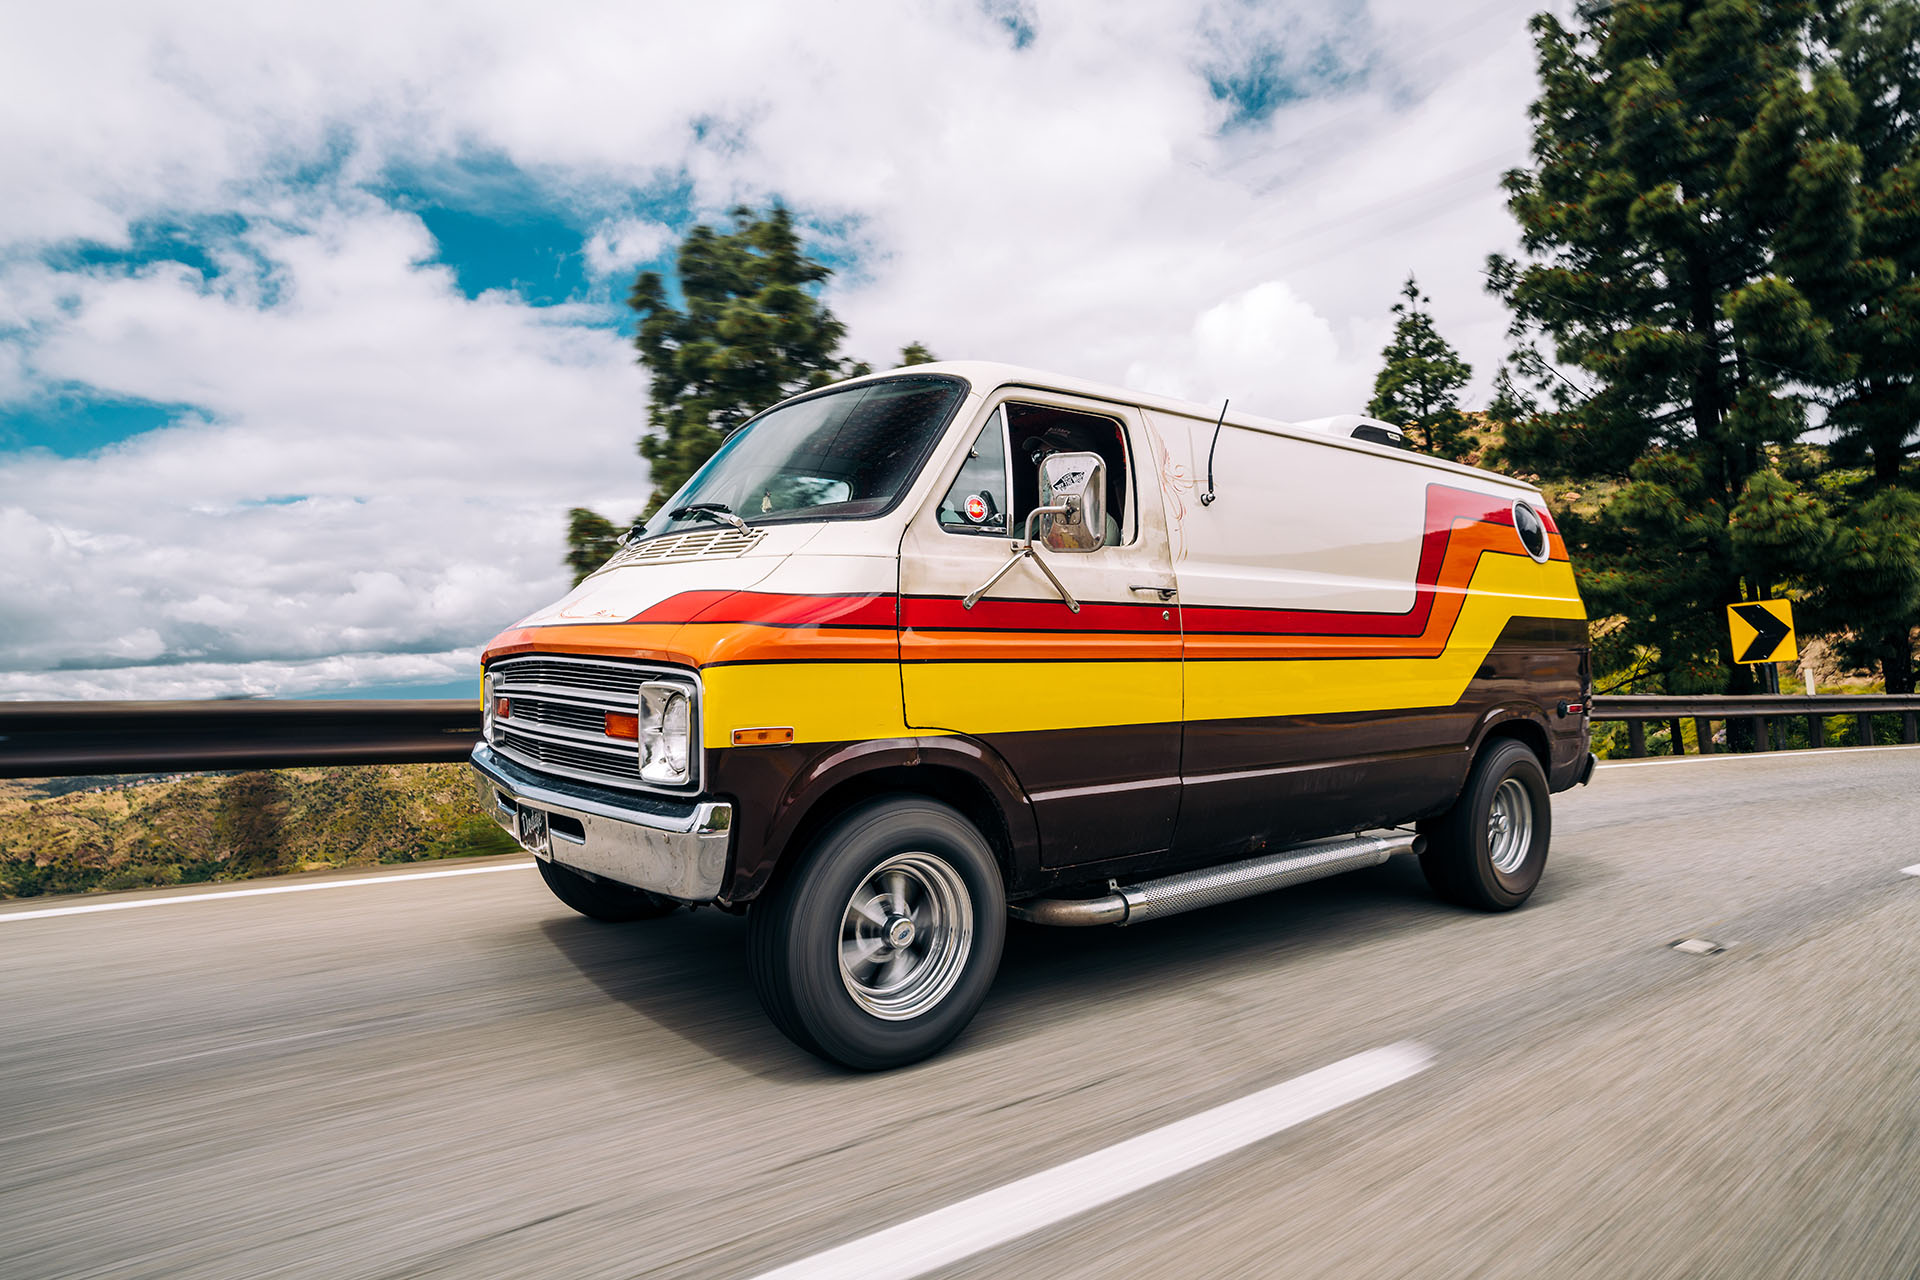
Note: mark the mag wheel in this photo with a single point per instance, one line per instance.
(602, 899)
(1489, 849)
(880, 945)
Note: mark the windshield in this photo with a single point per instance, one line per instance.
(844, 455)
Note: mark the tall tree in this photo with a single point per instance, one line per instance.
(750, 330)
(1418, 387)
(1861, 293)
(1679, 149)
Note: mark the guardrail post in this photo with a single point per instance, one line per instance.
(1703, 729)
(1910, 727)
(1817, 730)
(1761, 738)
(1863, 727)
(1679, 741)
(1636, 738)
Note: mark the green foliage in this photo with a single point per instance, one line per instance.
(1706, 224)
(249, 822)
(750, 330)
(130, 834)
(1418, 388)
(591, 541)
(1868, 596)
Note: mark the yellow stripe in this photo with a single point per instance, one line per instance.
(819, 701)
(1504, 587)
(1013, 697)
(855, 702)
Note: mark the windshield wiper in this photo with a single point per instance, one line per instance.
(719, 512)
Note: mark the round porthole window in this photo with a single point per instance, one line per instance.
(1532, 530)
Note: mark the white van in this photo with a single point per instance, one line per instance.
(922, 649)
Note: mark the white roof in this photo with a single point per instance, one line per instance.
(984, 375)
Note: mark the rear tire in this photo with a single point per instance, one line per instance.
(877, 949)
(1488, 851)
(603, 900)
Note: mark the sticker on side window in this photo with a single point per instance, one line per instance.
(976, 508)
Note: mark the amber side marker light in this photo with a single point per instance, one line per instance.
(502, 709)
(761, 737)
(622, 725)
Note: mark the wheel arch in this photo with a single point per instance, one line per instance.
(959, 772)
(1523, 725)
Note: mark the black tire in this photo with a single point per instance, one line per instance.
(796, 931)
(1460, 859)
(603, 899)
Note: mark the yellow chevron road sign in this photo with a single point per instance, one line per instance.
(1763, 631)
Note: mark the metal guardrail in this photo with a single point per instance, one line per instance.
(66, 739)
(1759, 712)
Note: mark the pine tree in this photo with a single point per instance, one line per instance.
(751, 331)
(1865, 296)
(1680, 151)
(1418, 388)
(591, 541)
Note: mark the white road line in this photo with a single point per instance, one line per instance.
(1913, 870)
(315, 887)
(947, 1235)
(1755, 755)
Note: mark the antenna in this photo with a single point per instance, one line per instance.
(1206, 499)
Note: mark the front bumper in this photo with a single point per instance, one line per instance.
(675, 848)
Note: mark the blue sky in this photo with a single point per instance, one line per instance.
(312, 325)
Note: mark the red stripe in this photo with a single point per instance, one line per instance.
(770, 609)
(944, 613)
(1447, 507)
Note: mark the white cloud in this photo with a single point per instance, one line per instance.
(246, 679)
(1075, 203)
(619, 246)
(386, 463)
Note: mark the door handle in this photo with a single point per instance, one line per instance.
(1165, 593)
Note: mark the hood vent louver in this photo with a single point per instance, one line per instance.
(695, 544)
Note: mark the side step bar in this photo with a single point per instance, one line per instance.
(1191, 890)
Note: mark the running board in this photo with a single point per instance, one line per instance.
(1191, 890)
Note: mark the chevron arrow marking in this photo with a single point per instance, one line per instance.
(1768, 632)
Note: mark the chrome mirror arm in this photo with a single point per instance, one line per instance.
(1026, 550)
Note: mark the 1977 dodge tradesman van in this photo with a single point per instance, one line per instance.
(922, 649)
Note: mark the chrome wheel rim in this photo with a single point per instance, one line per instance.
(906, 936)
(1510, 826)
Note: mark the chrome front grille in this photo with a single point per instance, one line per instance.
(557, 710)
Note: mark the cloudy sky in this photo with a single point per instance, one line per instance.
(311, 322)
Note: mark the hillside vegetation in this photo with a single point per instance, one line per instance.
(74, 835)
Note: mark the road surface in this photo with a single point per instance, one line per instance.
(454, 1076)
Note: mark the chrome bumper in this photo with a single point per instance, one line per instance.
(676, 848)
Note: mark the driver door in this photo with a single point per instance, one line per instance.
(1085, 707)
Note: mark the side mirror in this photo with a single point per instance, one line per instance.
(1073, 490)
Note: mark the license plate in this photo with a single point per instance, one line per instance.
(533, 828)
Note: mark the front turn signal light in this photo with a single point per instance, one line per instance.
(622, 725)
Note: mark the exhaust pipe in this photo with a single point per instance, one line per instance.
(1209, 886)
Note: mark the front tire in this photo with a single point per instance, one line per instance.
(1488, 851)
(878, 948)
(602, 900)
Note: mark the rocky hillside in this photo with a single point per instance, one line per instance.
(69, 835)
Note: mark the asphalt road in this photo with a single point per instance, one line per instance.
(457, 1077)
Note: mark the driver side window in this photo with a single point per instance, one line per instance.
(977, 501)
